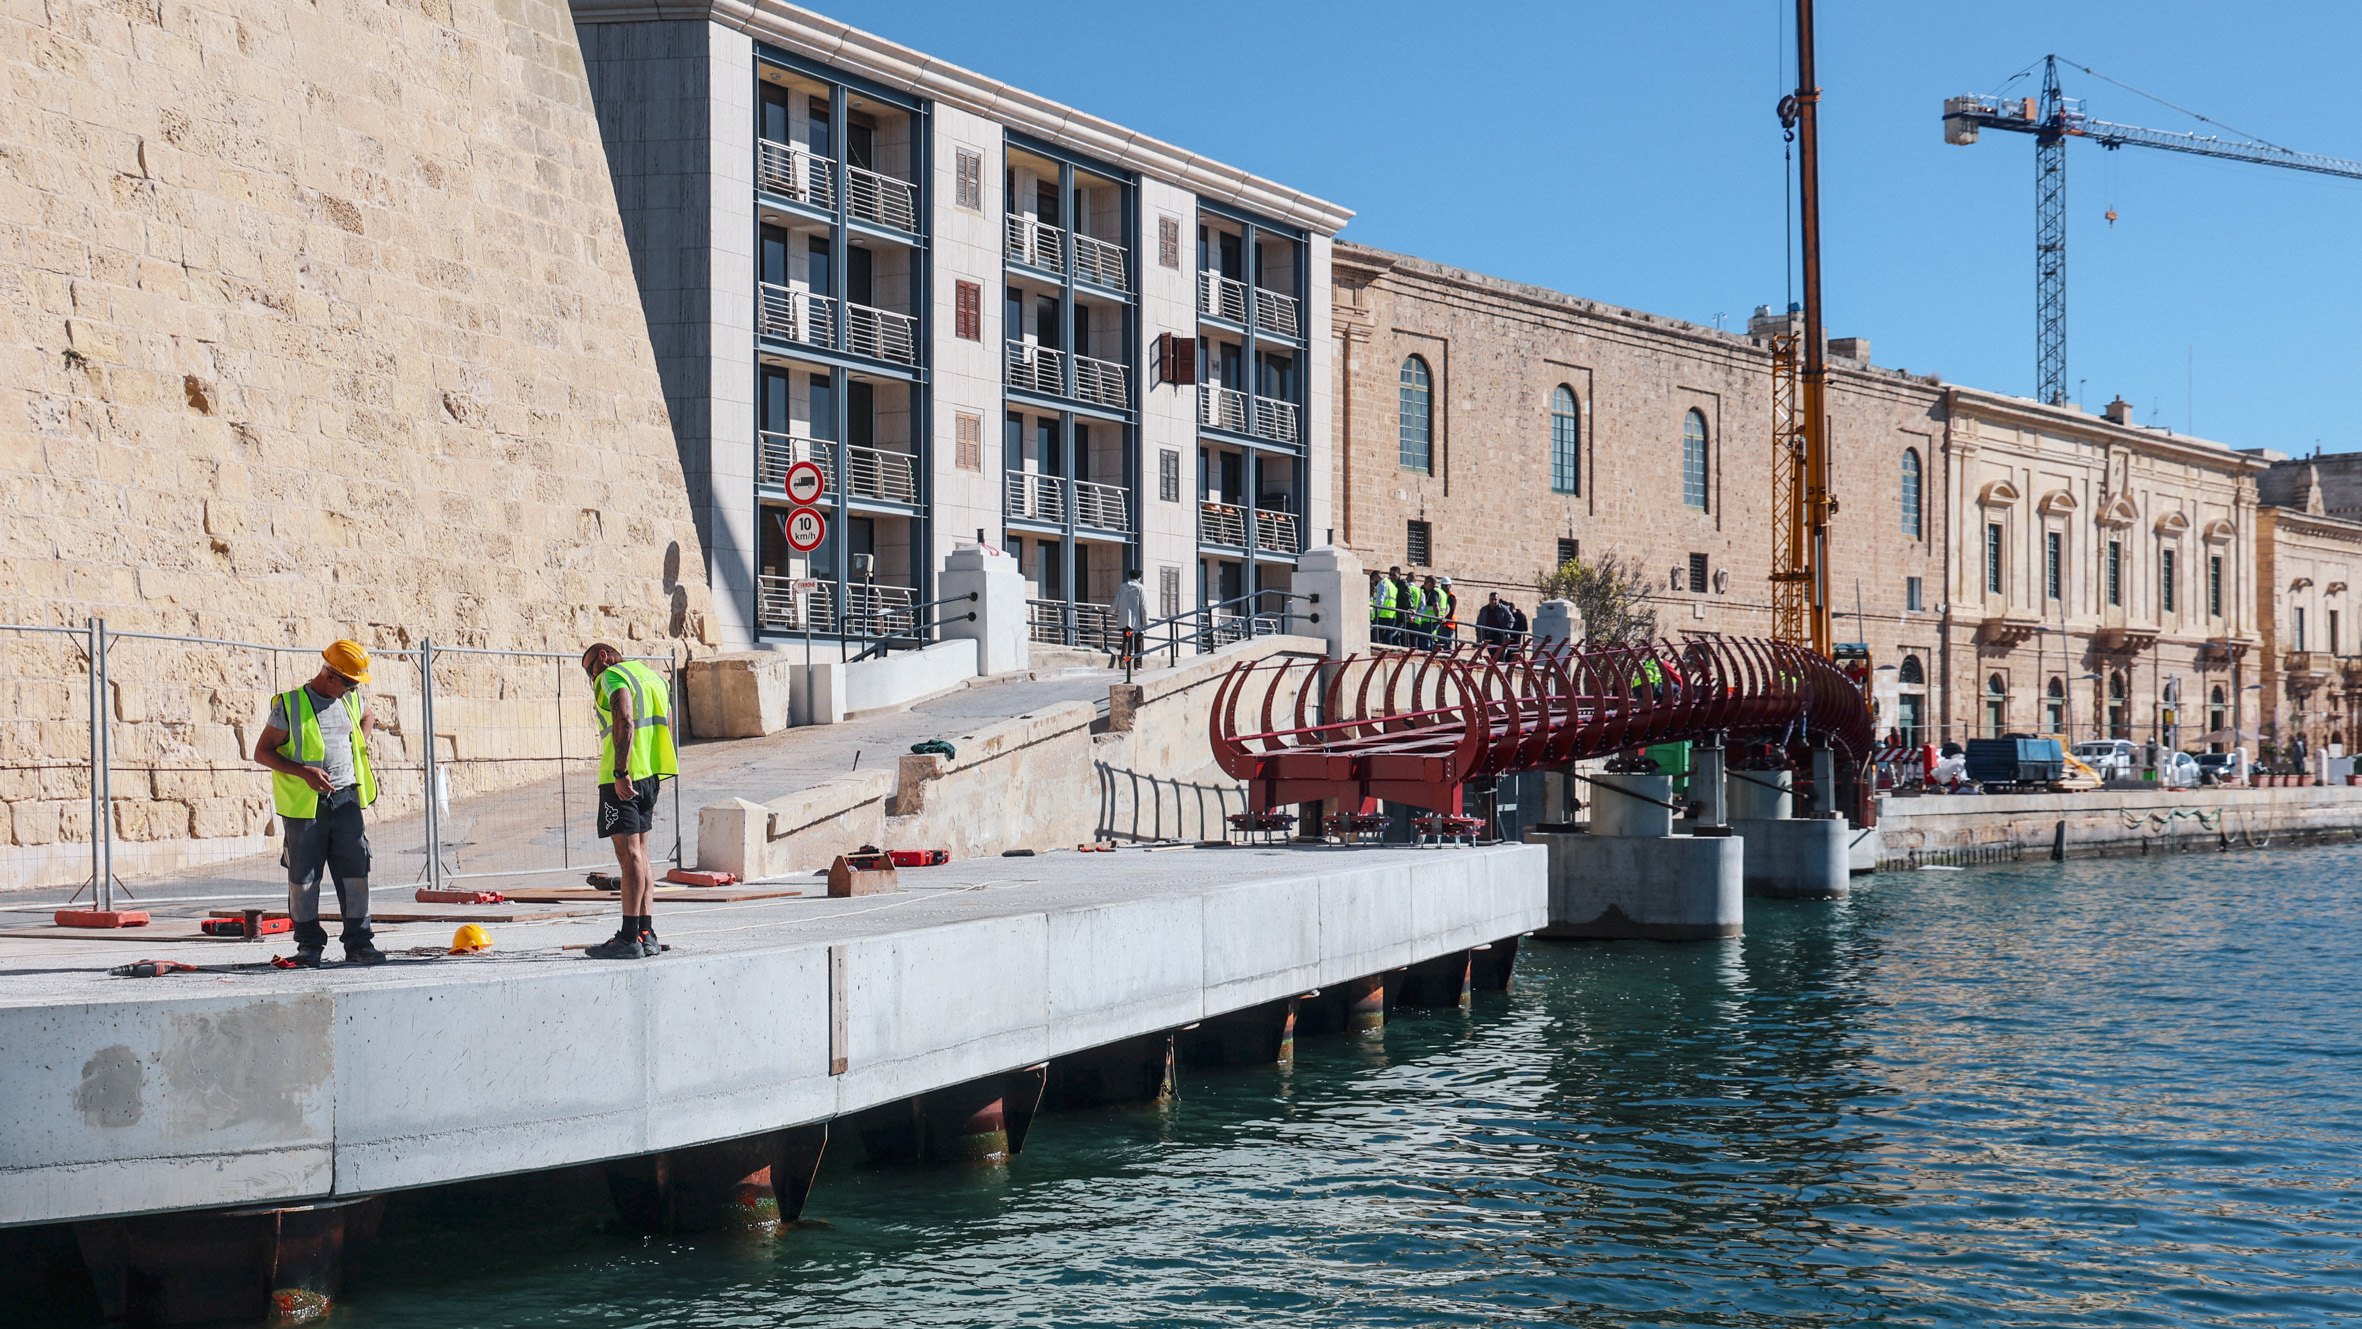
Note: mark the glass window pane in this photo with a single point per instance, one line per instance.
(1417, 416)
(1566, 440)
(1693, 461)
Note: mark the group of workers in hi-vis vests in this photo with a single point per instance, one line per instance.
(1422, 615)
(315, 743)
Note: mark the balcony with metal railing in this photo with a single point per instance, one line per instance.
(1036, 368)
(872, 473)
(1222, 524)
(869, 610)
(1276, 532)
(1234, 301)
(1276, 420)
(1100, 263)
(1102, 381)
(792, 171)
(882, 199)
(1102, 507)
(881, 334)
(793, 314)
(1027, 496)
(1243, 413)
(1035, 244)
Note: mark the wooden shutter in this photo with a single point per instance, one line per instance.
(1168, 475)
(969, 190)
(1168, 592)
(968, 441)
(969, 324)
(1176, 358)
(1168, 241)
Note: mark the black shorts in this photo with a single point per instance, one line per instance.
(635, 817)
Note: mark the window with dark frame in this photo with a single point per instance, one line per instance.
(1697, 573)
(2214, 585)
(1168, 592)
(1911, 513)
(2165, 563)
(1168, 242)
(1168, 476)
(1569, 551)
(968, 311)
(968, 189)
(1993, 558)
(1566, 442)
(2115, 572)
(968, 442)
(1693, 461)
(2054, 544)
(2331, 645)
(1416, 410)
(1913, 599)
(1418, 545)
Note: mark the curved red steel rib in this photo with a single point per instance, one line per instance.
(1414, 727)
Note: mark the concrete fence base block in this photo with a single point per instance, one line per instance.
(1796, 860)
(1669, 888)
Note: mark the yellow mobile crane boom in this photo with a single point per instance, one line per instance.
(1801, 501)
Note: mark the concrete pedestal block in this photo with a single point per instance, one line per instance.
(1751, 801)
(1796, 860)
(1614, 812)
(743, 695)
(1004, 642)
(1335, 575)
(1672, 888)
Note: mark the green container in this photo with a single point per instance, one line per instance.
(1671, 759)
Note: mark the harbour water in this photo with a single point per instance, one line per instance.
(2106, 1093)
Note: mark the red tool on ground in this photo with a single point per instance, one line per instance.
(700, 877)
(236, 926)
(151, 969)
(919, 858)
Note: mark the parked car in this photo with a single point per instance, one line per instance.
(2178, 770)
(2217, 767)
(2112, 758)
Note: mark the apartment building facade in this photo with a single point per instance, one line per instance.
(2310, 548)
(2011, 567)
(982, 315)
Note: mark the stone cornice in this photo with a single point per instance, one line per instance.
(896, 66)
(2327, 527)
(2024, 413)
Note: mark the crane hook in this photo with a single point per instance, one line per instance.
(1790, 110)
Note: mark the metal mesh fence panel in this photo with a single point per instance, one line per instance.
(45, 755)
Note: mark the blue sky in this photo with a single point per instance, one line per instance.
(1629, 153)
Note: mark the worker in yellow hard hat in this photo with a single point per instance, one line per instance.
(315, 744)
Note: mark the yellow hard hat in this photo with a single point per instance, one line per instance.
(470, 937)
(348, 658)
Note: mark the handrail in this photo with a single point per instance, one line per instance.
(875, 196)
(882, 644)
(792, 170)
(1100, 262)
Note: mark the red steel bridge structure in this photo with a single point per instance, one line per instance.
(1418, 727)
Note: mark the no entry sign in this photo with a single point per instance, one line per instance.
(805, 528)
(805, 483)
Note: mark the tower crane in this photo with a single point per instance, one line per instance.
(2052, 119)
(1802, 501)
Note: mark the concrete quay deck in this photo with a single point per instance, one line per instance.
(261, 1086)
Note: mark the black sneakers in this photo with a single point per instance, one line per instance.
(621, 946)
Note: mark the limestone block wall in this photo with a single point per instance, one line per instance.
(316, 321)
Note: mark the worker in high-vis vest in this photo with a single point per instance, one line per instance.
(1383, 610)
(635, 756)
(316, 745)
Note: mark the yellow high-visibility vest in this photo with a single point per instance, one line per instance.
(289, 794)
(652, 724)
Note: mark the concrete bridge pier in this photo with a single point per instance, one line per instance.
(1631, 877)
(272, 1265)
(1489, 965)
(1788, 857)
(1437, 984)
(1136, 1070)
(1356, 1006)
(1262, 1035)
(752, 1183)
(980, 1121)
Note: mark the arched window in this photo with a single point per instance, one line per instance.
(1566, 443)
(2217, 720)
(1912, 671)
(1911, 518)
(1693, 461)
(1996, 706)
(1418, 416)
(2054, 706)
(2119, 707)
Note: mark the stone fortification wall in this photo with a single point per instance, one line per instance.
(1956, 828)
(317, 321)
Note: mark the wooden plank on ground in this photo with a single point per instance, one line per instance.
(690, 894)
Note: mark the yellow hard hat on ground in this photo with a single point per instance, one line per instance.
(470, 937)
(348, 658)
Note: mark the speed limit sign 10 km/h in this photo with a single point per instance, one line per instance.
(806, 528)
(805, 483)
